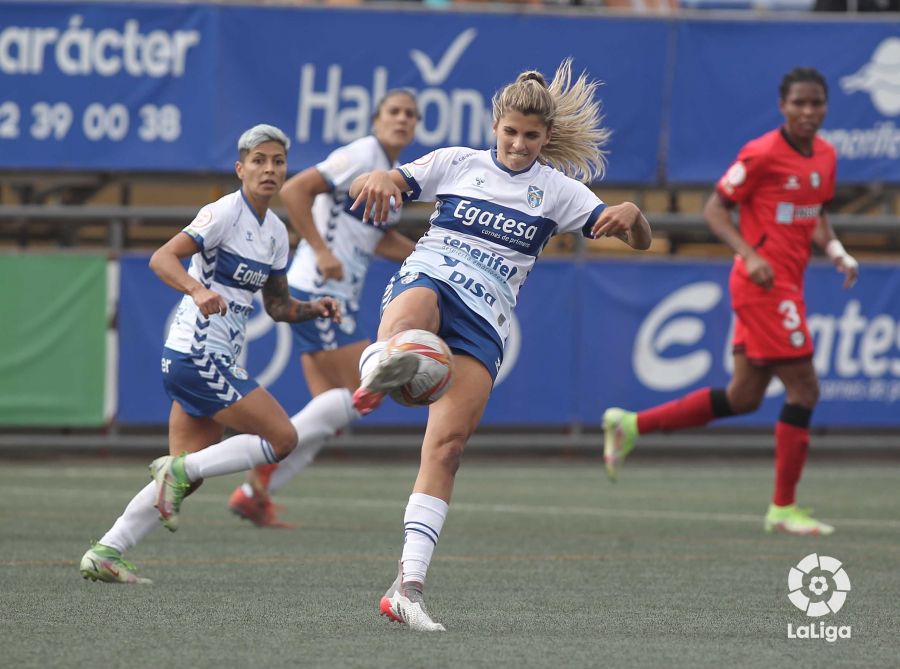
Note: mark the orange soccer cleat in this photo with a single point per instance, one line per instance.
(258, 509)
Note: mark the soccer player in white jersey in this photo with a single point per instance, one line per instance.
(237, 246)
(332, 259)
(495, 212)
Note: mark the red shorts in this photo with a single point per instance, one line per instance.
(772, 330)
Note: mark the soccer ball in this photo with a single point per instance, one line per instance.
(432, 379)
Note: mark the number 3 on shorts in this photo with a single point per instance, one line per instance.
(788, 308)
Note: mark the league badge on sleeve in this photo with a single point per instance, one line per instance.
(202, 219)
(734, 177)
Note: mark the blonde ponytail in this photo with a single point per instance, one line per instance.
(571, 113)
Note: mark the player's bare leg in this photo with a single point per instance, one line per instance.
(451, 421)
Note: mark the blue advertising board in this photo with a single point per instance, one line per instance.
(725, 92)
(667, 331)
(586, 336)
(144, 87)
(146, 306)
(102, 86)
(454, 61)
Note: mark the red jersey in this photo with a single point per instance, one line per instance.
(781, 193)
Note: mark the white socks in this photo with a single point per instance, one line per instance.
(423, 522)
(369, 358)
(138, 520)
(141, 517)
(235, 454)
(319, 420)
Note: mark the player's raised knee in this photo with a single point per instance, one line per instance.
(283, 440)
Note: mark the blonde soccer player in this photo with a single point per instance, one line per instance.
(496, 210)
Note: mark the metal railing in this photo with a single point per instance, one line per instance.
(119, 219)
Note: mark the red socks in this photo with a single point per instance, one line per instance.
(791, 445)
(692, 410)
(701, 406)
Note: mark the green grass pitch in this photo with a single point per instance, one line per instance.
(542, 563)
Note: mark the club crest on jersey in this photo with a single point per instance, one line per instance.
(815, 180)
(535, 197)
(249, 236)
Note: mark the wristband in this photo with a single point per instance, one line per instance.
(835, 250)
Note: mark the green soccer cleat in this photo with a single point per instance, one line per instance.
(619, 434)
(172, 484)
(102, 563)
(793, 520)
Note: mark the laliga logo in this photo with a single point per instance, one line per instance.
(818, 585)
(828, 583)
(880, 78)
(660, 331)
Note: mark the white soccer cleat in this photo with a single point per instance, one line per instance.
(407, 606)
(404, 604)
(393, 370)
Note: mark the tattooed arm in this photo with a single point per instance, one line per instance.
(282, 307)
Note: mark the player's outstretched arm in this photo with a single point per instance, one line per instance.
(282, 307)
(625, 221)
(378, 191)
(298, 194)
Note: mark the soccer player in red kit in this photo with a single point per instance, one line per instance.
(780, 181)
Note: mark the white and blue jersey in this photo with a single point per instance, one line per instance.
(347, 237)
(238, 253)
(490, 224)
